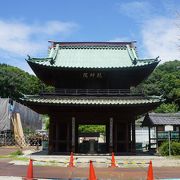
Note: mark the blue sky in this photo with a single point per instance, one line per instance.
(26, 26)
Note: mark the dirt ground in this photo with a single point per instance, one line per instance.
(7, 150)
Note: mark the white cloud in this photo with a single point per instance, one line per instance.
(54, 27)
(22, 38)
(160, 38)
(135, 9)
(158, 28)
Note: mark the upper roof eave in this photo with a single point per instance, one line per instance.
(36, 61)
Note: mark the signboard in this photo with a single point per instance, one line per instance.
(168, 128)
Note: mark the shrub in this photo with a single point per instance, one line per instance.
(175, 148)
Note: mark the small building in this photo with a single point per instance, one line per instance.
(157, 122)
(29, 119)
(142, 137)
(15, 119)
(93, 86)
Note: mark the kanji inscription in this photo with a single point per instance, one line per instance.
(92, 75)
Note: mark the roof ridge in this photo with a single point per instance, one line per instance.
(92, 43)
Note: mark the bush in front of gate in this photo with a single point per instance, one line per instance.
(175, 148)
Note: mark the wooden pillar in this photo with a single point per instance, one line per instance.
(133, 137)
(73, 134)
(57, 138)
(115, 136)
(76, 137)
(127, 138)
(149, 131)
(68, 137)
(51, 145)
(107, 136)
(157, 146)
(110, 134)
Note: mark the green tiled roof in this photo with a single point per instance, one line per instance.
(95, 55)
(90, 100)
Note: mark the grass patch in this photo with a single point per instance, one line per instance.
(174, 157)
(16, 153)
(20, 158)
(4, 156)
(15, 156)
(12, 155)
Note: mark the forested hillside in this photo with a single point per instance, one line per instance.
(165, 80)
(14, 82)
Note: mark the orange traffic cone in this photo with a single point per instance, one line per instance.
(71, 161)
(30, 170)
(113, 161)
(92, 175)
(150, 172)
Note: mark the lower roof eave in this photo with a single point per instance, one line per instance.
(45, 106)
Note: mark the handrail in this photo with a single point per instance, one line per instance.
(92, 92)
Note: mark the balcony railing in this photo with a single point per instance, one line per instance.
(92, 92)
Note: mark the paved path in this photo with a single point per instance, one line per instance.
(163, 167)
(104, 161)
(7, 169)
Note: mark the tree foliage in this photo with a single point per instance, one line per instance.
(92, 128)
(167, 108)
(14, 82)
(165, 80)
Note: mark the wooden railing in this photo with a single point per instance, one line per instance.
(92, 92)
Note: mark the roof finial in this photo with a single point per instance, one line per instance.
(29, 57)
(52, 43)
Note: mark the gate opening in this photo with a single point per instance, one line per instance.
(92, 139)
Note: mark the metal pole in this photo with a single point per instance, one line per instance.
(169, 143)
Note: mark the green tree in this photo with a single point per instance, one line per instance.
(92, 128)
(165, 80)
(14, 82)
(167, 108)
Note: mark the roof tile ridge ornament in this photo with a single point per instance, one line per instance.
(23, 95)
(37, 59)
(29, 95)
(56, 51)
(134, 60)
(150, 60)
(157, 97)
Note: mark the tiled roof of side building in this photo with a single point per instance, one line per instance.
(153, 119)
(165, 118)
(91, 100)
(92, 55)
